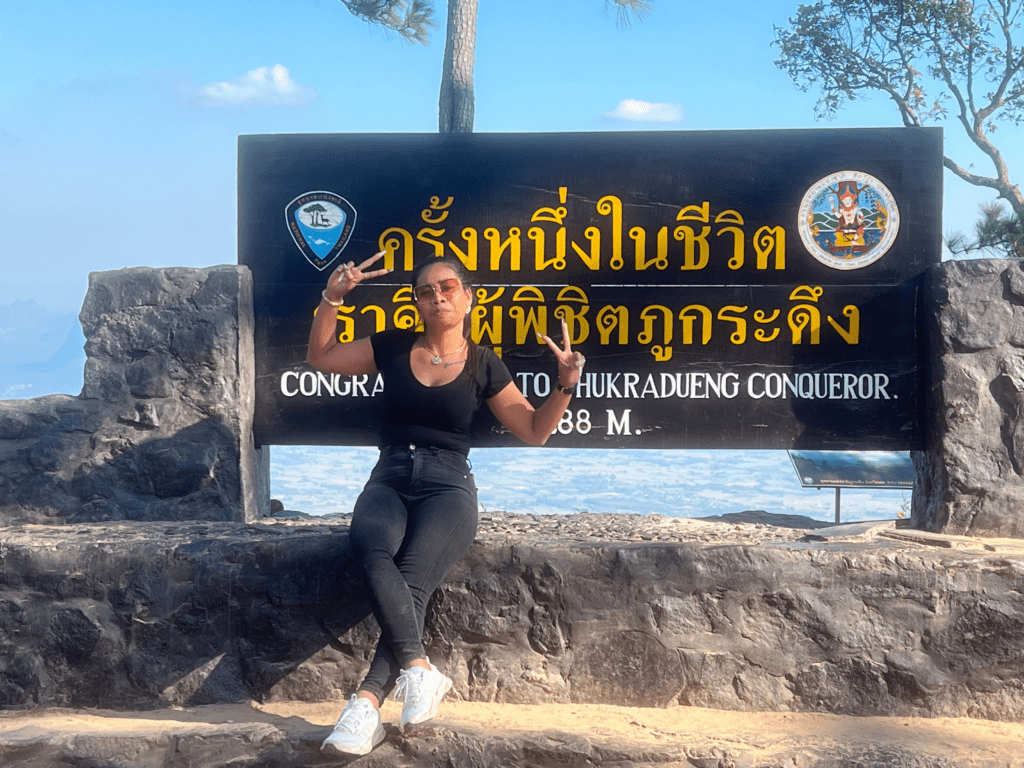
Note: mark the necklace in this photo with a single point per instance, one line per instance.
(437, 359)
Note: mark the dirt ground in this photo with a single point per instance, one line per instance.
(959, 741)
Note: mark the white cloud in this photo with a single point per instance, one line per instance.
(16, 392)
(265, 85)
(634, 110)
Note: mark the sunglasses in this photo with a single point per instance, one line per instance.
(447, 288)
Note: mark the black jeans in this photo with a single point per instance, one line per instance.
(414, 520)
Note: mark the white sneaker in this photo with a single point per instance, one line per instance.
(358, 731)
(422, 690)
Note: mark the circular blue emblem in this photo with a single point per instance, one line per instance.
(848, 220)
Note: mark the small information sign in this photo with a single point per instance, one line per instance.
(853, 469)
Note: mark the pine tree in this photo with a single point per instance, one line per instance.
(414, 19)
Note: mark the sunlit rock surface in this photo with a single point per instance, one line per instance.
(475, 735)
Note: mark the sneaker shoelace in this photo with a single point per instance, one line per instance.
(352, 719)
(410, 686)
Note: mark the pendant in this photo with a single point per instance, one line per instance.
(435, 360)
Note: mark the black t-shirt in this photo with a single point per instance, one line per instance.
(437, 416)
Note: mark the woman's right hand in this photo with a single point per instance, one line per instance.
(325, 353)
(347, 276)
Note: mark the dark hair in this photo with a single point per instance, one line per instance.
(456, 266)
(451, 262)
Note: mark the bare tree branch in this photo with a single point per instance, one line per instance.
(963, 50)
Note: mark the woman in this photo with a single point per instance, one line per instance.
(417, 514)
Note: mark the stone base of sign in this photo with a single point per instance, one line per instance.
(863, 619)
(970, 478)
(163, 427)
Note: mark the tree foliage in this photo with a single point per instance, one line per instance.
(996, 231)
(934, 59)
(625, 10)
(412, 19)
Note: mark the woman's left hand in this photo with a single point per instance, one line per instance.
(570, 364)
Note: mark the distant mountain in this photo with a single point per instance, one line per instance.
(41, 351)
(321, 480)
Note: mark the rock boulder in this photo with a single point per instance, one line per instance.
(971, 475)
(163, 427)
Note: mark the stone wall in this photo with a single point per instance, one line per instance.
(971, 476)
(150, 615)
(163, 427)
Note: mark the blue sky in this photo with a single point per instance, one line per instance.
(119, 120)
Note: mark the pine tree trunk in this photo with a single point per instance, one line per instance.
(455, 106)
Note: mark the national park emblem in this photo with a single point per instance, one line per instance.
(848, 220)
(321, 224)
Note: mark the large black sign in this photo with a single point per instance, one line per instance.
(729, 289)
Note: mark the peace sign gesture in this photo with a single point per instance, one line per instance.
(570, 364)
(347, 276)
